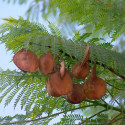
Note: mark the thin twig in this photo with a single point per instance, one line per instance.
(114, 86)
(37, 119)
(91, 117)
(114, 118)
(61, 51)
(104, 101)
(112, 70)
(113, 97)
(107, 106)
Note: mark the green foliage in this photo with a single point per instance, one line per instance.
(102, 15)
(29, 88)
(6, 120)
(70, 119)
(98, 18)
(14, 1)
(105, 16)
(21, 33)
(101, 119)
(21, 120)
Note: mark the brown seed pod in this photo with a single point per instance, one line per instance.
(26, 60)
(76, 95)
(50, 90)
(82, 70)
(94, 87)
(46, 63)
(61, 82)
(62, 69)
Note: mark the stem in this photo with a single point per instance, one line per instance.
(107, 106)
(61, 51)
(114, 118)
(62, 69)
(73, 57)
(94, 103)
(123, 77)
(104, 101)
(37, 119)
(86, 55)
(113, 97)
(91, 117)
(114, 86)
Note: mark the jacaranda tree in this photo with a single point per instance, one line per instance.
(77, 24)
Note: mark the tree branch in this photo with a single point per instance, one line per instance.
(91, 117)
(94, 103)
(73, 57)
(104, 101)
(37, 119)
(110, 69)
(116, 120)
(110, 122)
(107, 106)
(114, 86)
(113, 97)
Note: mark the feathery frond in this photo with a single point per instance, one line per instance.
(29, 88)
(23, 34)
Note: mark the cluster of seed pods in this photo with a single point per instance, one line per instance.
(60, 80)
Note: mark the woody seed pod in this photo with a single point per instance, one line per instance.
(26, 60)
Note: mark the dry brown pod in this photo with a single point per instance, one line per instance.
(94, 87)
(50, 91)
(60, 81)
(46, 63)
(26, 60)
(76, 95)
(82, 70)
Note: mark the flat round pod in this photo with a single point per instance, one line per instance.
(50, 91)
(26, 60)
(46, 63)
(94, 88)
(80, 72)
(76, 95)
(61, 85)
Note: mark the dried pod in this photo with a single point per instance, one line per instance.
(94, 87)
(46, 63)
(26, 60)
(62, 69)
(61, 82)
(76, 95)
(50, 90)
(82, 70)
